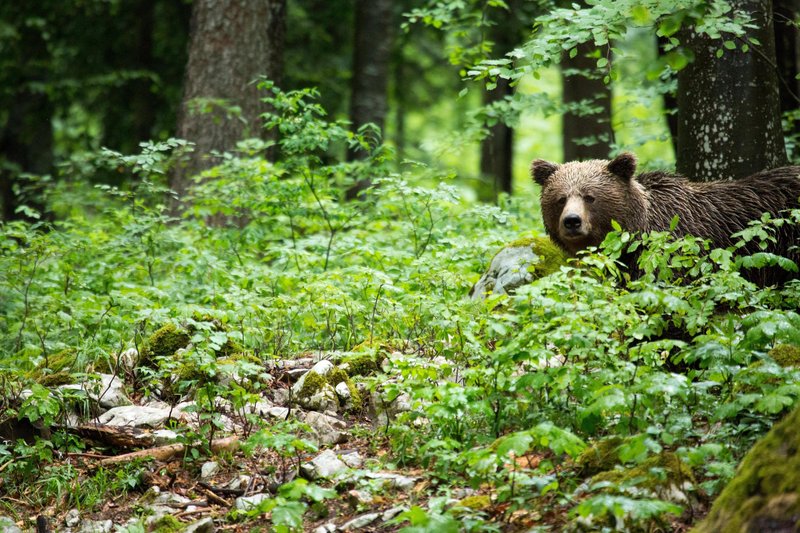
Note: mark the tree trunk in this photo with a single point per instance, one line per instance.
(497, 149)
(372, 50)
(26, 138)
(585, 136)
(787, 53)
(231, 44)
(729, 122)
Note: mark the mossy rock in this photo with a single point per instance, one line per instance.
(603, 455)
(518, 263)
(764, 495)
(316, 392)
(786, 355)
(362, 364)
(662, 475)
(168, 524)
(55, 369)
(164, 342)
(478, 502)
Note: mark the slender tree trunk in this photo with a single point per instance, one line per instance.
(787, 53)
(585, 136)
(372, 49)
(26, 137)
(230, 46)
(670, 103)
(498, 147)
(729, 122)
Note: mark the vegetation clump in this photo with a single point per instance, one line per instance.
(164, 342)
(601, 456)
(786, 355)
(766, 487)
(664, 475)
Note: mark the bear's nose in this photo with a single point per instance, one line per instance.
(572, 222)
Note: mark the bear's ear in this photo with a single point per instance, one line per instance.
(624, 165)
(541, 170)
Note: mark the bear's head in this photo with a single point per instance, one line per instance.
(580, 199)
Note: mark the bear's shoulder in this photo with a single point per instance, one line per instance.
(660, 180)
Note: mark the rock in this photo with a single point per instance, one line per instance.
(135, 416)
(281, 413)
(72, 518)
(396, 481)
(170, 499)
(352, 459)
(164, 436)
(280, 396)
(343, 392)
(204, 525)
(261, 408)
(764, 494)
(519, 263)
(360, 497)
(360, 521)
(96, 526)
(325, 465)
(7, 525)
(240, 482)
(390, 513)
(330, 527)
(246, 503)
(313, 392)
(327, 428)
(108, 392)
(209, 469)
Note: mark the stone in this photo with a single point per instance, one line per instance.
(352, 459)
(96, 526)
(281, 413)
(322, 368)
(330, 527)
(325, 465)
(343, 391)
(360, 521)
(280, 396)
(72, 518)
(108, 392)
(328, 428)
(396, 481)
(204, 525)
(7, 525)
(519, 263)
(240, 482)
(164, 436)
(209, 469)
(390, 513)
(246, 503)
(134, 416)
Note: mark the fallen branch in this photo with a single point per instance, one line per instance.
(165, 453)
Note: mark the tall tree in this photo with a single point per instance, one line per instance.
(587, 132)
(231, 44)
(729, 121)
(26, 111)
(497, 148)
(787, 53)
(372, 50)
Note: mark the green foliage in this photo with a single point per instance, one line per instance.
(271, 260)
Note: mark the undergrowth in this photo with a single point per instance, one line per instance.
(505, 394)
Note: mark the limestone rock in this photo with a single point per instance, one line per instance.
(360, 521)
(245, 503)
(7, 525)
(204, 525)
(134, 416)
(209, 469)
(325, 465)
(519, 263)
(329, 429)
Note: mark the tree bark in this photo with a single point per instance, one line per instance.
(372, 50)
(787, 53)
(497, 149)
(729, 122)
(231, 44)
(585, 136)
(26, 137)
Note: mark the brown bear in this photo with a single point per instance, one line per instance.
(580, 199)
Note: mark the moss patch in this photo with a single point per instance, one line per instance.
(766, 486)
(786, 355)
(551, 258)
(601, 456)
(167, 524)
(362, 364)
(658, 474)
(479, 502)
(164, 342)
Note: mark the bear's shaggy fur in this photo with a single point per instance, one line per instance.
(580, 199)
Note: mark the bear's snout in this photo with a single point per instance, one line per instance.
(572, 222)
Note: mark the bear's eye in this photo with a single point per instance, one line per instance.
(562, 200)
(588, 199)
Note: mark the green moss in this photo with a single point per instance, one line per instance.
(312, 384)
(658, 474)
(167, 524)
(479, 502)
(766, 485)
(336, 376)
(55, 369)
(56, 379)
(164, 342)
(363, 364)
(551, 258)
(786, 355)
(601, 456)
